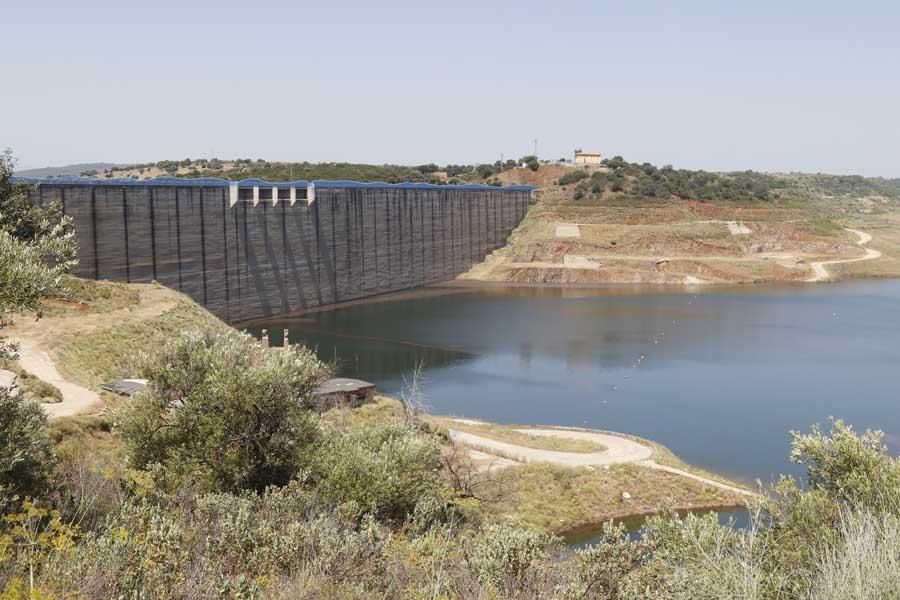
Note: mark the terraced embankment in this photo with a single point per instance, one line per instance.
(620, 238)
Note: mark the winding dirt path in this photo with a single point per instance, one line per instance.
(820, 273)
(36, 337)
(619, 450)
(77, 400)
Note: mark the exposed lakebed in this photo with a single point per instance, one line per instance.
(719, 375)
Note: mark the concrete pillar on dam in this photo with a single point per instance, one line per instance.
(252, 249)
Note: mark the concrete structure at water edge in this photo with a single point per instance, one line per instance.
(252, 249)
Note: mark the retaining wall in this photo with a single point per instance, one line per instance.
(253, 249)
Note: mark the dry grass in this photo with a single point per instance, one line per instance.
(107, 354)
(558, 499)
(88, 296)
(866, 566)
(382, 410)
(93, 336)
(33, 388)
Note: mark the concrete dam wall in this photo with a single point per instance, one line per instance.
(252, 249)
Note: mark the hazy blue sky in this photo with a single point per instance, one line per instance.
(768, 85)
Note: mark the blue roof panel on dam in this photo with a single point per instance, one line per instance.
(343, 184)
(215, 182)
(157, 181)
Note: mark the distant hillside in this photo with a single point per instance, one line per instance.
(67, 170)
(622, 222)
(618, 178)
(279, 171)
(245, 168)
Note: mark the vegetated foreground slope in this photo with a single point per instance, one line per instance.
(170, 498)
(631, 223)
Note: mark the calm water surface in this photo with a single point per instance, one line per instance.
(720, 377)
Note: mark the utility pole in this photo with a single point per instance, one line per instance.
(535, 147)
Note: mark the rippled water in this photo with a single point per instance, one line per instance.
(720, 377)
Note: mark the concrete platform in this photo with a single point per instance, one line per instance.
(567, 230)
(342, 392)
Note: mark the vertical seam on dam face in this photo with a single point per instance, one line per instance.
(125, 225)
(225, 238)
(153, 230)
(178, 236)
(203, 246)
(94, 232)
(278, 259)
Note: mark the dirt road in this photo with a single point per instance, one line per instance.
(619, 450)
(76, 400)
(820, 273)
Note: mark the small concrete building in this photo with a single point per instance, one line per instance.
(342, 392)
(587, 158)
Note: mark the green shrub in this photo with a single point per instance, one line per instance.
(850, 468)
(26, 453)
(37, 246)
(573, 176)
(504, 558)
(221, 546)
(225, 409)
(385, 469)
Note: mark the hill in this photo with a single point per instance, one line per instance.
(67, 170)
(245, 168)
(626, 222)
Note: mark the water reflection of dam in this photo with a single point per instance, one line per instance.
(253, 249)
(368, 356)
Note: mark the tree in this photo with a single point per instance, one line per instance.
(530, 161)
(572, 177)
(37, 246)
(225, 410)
(43, 227)
(849, 467)
(484, 171)
(26, 453)
(428, 169)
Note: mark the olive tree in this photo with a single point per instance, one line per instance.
(37, 247)
(223, 409)
(26, 453)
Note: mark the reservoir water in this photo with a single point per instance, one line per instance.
(719, 375)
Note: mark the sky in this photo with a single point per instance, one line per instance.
(765, 85)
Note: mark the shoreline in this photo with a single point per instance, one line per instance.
(462, 286)
(630, 471)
